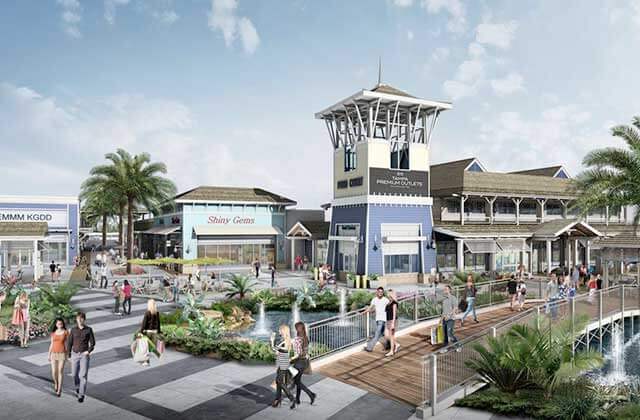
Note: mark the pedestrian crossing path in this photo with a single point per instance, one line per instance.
(177, 386)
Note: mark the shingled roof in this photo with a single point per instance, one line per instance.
(548, 171)
(626, 239)
(451, 177)
(233, 195)
(23, 228)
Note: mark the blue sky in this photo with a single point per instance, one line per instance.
(224, 91)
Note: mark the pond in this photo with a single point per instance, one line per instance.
(270, 321)
(622, 364)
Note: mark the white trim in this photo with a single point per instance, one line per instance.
(181, 201)
(585, 224)
(236, 230)
(37, 199)
(289, 235)
(404, 238)
(562, 168)
(406, 200)
(343, 238)
(481, 235)
(475, 160)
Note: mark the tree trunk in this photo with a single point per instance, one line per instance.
(104, 231)
(129, 232)
(121, 230)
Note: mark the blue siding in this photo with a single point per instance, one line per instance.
(73, 233)
(356, 214)
(379, 214)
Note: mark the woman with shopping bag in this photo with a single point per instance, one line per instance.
(283, 370)
(150, 328)
(20, 317)
(301, 361)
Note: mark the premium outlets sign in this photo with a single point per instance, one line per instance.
(53, 218)
(390, 181)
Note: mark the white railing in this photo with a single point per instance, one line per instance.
(445, 371)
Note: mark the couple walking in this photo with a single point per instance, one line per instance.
(289, 370)
(386, 310)
(76, 345)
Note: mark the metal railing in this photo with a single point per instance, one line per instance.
(340, 332)
(445, 371)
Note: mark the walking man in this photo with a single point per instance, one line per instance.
(80, 345)
(379, 303)
(52, 268)
(256, 266)
(103, 277)
(272, 268)
(512, 288)
(449, 309)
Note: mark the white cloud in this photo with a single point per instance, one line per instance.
(71, 16)
(469, 77)
(403, 3)
(454, 8)
(410, 35)
(476, 50)
(440, 54)
(496, 34)
(167, 17)
(512, 83)
(110, 9)
(223, 18)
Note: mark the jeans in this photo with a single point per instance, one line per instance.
(447, 326)
(471, 307)
(552, 307)
(126, 304)
(116, 307)
(175, 291)
(300, 365)
(80, 371)
(281, 384)
(380, 325)
(103, 282)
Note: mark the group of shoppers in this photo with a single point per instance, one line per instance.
(386, 313)
(289, 369)
(122, 294)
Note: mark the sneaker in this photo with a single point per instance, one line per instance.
(81, 399)
(389, 354)
(397, 348)
(476, 321)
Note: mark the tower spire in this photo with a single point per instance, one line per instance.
(379, 70)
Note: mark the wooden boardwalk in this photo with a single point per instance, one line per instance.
(400, 377)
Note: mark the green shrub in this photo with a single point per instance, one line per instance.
(626, 412)
(234, 350)
(509, 404)
(173, 317)
(317, 349)
(575, 400)
(207, 328)
(359, 299)
(327, 301)
(261, 351)
(226, 307)
(281, 303)
(426, 309)
(484, 299)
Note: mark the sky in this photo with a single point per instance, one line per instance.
(224, 91)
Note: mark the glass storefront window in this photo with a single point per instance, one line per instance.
(475, 262)
(401, 264)
(507, 261)
(239, 254)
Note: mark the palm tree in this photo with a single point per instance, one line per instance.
(613, 175)
(239, 285)
(139, 182)
(99, 203)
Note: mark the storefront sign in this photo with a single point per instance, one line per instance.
(389, 181)
(230, 220)
(53, 218)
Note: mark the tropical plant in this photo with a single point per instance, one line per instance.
(575, 400)
(206, 328)
(528, 357)
(238, 285)
(305, 295)
(460, 278)
(54, 301)
(359, 299)
(626, 412)
(264, 296)
(136, 179)
(191, 307)
(100, 202)
(612, 177)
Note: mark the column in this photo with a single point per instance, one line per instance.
(460, 255)
(587, 253)
(492, 261)
(490, 202)
(35, 261)
(313, 252)
(293, 253)
(548, 256)
(517, 202)
(531, 257)
(541, 203)
(462, 200)
(576, 254)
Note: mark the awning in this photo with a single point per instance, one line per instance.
(511, 245)
(404, 238)
(487, 246)
(162, 230)
(23, 230)
(215, 230)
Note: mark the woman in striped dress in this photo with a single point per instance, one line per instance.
(282, 363)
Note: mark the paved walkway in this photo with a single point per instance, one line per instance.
(178, 386)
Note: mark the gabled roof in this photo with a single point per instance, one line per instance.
(310, 229)
(629, 238)
(232, 195)
(555, 228)
(550, 171)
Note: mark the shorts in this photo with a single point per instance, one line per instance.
(58, 357)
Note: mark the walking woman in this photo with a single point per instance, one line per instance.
(301, 361)
(282, 363)
(151, 324)
(21, 317)
(115, 291)
(126, 303)
(470, 292)
(392, 318)
(58, 353)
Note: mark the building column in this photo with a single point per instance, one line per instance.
(35, 261)
(460, 255)
(462, 200)
(293, 253)
(606, 215)
(517, 202)
(541, 203)
(576, 255)
(548, 256)
(313, 252)
(490, 202)
(587, 253)
(531, 257)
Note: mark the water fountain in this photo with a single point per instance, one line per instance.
(343, 309)
(261, 325)
(295, 313)
(617, 372)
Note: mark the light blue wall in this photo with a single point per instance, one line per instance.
(379, 214)
(199, 214)
(352, 214)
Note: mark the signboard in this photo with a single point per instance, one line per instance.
(391, 181)
(53, 218)
(230, 220)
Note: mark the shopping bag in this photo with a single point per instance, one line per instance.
(293, 371)
(274, 385)
(140, 349)
(160, 347)
(4, 333)
(17, 318)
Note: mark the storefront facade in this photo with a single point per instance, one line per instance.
(237, 224)
(38, 230)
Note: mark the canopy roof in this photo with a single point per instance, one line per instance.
(232, 195)
(217, 230)
(546, 230)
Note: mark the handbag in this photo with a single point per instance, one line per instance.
(293, 371)
(18, 317)
(140, 350)
(4, 333)
(160, 346)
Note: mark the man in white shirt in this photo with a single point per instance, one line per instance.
(103, 276)
(379, 304)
